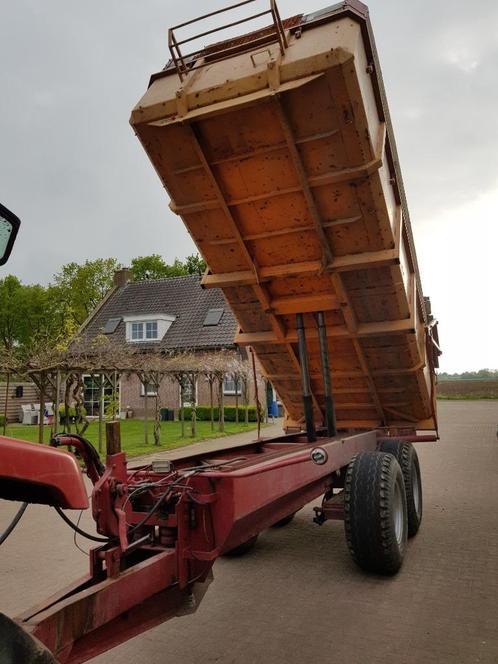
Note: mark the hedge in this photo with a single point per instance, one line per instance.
(203, 413)
(2, 420)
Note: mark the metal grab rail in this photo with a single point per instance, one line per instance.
(184, 63)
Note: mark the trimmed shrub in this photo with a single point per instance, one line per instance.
(203, 413)
(187, 413)
(231, 410)
(2, 420)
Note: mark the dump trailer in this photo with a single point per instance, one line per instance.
(277, 151)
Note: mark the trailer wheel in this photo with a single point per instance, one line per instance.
(375, 516)
(407, 458)
(285, 521)
(243, 548)
(17, 646)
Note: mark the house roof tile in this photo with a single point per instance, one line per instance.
(182, 297)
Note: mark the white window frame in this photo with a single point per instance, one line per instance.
(163, 323)
(135, 325)
(232, 392)
(151, 324)
(151, 390)
(106, 397)
(188, 404)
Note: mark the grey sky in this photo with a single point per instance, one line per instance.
(73, 171)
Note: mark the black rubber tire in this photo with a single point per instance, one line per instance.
(374, 493)
(407, 457)
(19, 647)
(242, 549)
(285, 521)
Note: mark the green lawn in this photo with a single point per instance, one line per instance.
(132, 434)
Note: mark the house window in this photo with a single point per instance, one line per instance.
(230, 386)
(137, 331)
(151, 329)
(144, 331)
(189, 393)
(213, 317)
(93, 392)
(148, 327)
(151, 390)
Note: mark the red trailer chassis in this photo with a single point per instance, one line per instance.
(166, 523)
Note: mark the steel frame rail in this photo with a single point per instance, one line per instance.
(184, 63)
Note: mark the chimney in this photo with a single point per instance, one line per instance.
(122, 276)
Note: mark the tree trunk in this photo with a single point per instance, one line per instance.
(67, 419)
(221, 399)
(246, 401)
(193, 416)
(42, 407)
(211, 402)
(114, 395)
(55, 421)
(157, 378)
(157, 420)
(7, 386)
(236, 383)
(82, 422)
(258, 405)
(146, 431)
(101, 379)
(182, 412)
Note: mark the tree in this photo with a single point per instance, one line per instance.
(482, 374)
(24, 313)
(194, 264)
(154, 267)
(149, 267)
(77, 289)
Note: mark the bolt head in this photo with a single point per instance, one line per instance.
(319, 456)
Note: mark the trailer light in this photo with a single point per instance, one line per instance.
(319, 456)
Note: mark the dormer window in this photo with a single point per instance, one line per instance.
(147, 328)
(151, 329)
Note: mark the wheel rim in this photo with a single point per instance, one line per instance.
(416, 490)
(398, 513)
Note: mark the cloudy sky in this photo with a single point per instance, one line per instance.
(73, 171)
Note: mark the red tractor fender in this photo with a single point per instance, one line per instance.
(34, 473)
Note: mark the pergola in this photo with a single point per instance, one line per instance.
(60, 371)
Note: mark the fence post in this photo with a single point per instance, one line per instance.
(113, 437)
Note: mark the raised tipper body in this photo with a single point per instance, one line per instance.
(277, 151)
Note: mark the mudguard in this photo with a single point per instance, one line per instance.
(34, 473)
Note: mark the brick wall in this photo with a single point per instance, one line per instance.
(169, 394)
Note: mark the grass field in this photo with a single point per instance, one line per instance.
(471, 390)
(132, 434)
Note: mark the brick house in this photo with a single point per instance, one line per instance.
(164, 315)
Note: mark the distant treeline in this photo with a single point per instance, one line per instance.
(30, 313)
(482, 374)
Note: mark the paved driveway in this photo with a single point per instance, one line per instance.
(297, 598)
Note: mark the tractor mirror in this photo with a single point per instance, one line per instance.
(9, 225)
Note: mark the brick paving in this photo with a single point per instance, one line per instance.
(298, 598)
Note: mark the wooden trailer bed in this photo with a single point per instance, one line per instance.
(277, 151)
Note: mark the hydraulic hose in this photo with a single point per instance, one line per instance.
(13, 523)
